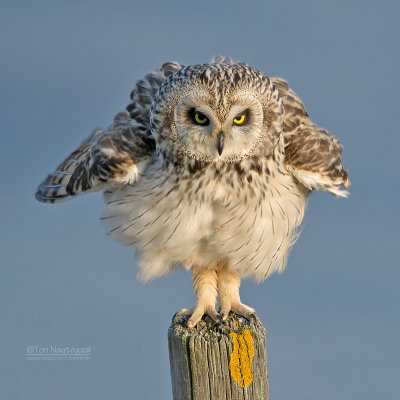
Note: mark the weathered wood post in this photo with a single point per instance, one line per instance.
(218, 362)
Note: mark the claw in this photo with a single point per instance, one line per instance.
(217, 318)
(224, 316)
(253, 316)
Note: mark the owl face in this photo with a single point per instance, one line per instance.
(218, 131)
(220, 113)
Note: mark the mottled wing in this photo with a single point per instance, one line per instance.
(116, 155)
(312, 155)
(143, 93)
(113, 156)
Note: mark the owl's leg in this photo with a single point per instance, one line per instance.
(205, 290)
(229, 299)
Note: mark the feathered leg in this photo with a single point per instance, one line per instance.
(229, 299)
(205, 290)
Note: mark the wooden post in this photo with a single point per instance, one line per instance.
(218, 362)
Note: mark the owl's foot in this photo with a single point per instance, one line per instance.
(197, 313)
(238, 308)
(229, 299)
(205, 289)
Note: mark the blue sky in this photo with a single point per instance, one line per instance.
(332, 317)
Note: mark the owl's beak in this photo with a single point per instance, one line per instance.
(220, 142)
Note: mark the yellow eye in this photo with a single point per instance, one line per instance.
(200, 118)
(239, 120)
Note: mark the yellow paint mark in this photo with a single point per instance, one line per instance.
(241, 357)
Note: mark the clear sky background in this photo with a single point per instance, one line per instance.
(332, 318)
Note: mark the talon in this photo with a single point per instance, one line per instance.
(253, 316)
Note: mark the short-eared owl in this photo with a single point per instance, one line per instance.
(209, 167)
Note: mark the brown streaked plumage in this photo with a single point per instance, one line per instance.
(311, 153)
(208, 167)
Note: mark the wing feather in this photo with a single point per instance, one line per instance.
(116, 155)
(312, 155)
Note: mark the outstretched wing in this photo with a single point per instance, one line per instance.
(116, 155)
(312, 155)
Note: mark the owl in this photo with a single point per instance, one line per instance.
(208, 167)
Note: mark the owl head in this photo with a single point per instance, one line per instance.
(216, 113)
